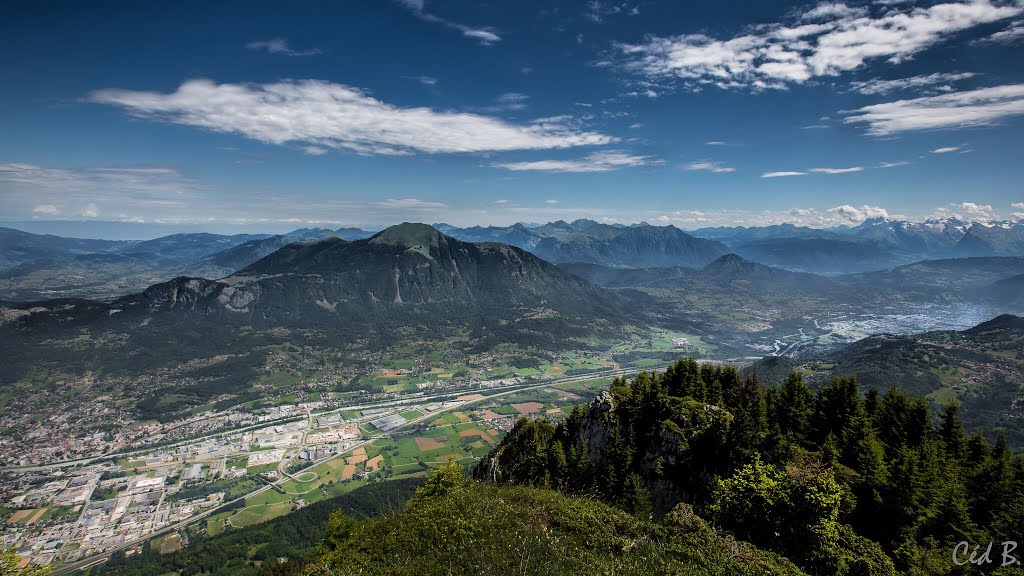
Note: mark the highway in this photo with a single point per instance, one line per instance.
(102, 557)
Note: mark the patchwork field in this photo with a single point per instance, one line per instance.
(427, 444)
(528, 407)
(476, 433)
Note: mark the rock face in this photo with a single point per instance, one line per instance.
(666, 451)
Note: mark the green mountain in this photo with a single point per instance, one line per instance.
(820, 254)
(981, 367)
(635, 247)
(408, 282)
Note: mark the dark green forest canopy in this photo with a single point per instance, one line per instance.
(837, 481)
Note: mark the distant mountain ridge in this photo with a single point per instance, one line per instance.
(408, 280)
(982, 367)
(874, 244)
(34, 266)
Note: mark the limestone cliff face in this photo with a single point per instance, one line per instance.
(664, 448)
(667, 463)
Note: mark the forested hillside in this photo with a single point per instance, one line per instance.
(838, 482)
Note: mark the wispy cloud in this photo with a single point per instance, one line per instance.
(595, 162)
(892, 164)
(715, 143)
(981, 107)
(326, 115)
(280, 46)
(939, 82)
(425, 80)
(556, 202)
(29, 188)
(510, 101)
(707, 166)
(782, 174)
(598, 10)
(1012, 34)
(484, 35)
(410, 204)
(945, 150)
(836, 170)
(835, 40)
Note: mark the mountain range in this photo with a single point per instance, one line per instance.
(35, 266)
(406, 282)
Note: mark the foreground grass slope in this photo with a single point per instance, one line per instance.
(457, 527)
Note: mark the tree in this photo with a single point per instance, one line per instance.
(795, 406)
(952, 432)
(635, 498)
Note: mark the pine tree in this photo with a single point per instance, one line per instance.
(795, 406)
(635, 499)
(954, 437)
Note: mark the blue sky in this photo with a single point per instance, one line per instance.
(274, 116)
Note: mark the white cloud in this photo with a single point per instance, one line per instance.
(503, 201)
(485, 36)
(838, 40)
(983, 211)
(1011, 35)
(90, 210)
(314, 150)
(45, 209)
(826, 11)
(858, 214)
(410, 204)
(836, 170)
(715, 143)
(280, 46)
(781, 174)
(1018, 205)
(327, 115)
(939, 81)
(892, 164)
(595, 162)
(706, 166)
(945, 150)
(551, 201)
(981, 107)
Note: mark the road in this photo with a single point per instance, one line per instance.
(97, 558)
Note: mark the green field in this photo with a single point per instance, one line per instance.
(256, 514)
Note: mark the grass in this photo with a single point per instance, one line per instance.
(257, 514)
(268, 497)
(261, 468)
